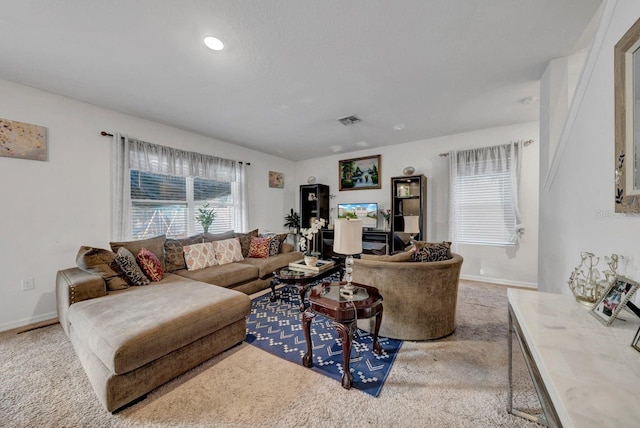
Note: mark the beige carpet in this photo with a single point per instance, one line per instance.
(460, 381)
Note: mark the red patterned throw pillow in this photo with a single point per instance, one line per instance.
(150, 264)
(259, 248)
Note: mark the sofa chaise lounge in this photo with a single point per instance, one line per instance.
(132, 340)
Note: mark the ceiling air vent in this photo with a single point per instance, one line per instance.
(349, 120)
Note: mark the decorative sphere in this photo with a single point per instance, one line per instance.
(408, 170)
(311, 179)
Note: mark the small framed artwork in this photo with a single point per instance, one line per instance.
(276, 179)
(359, 173)
(635, 345)
(614, 299)
(23, 140)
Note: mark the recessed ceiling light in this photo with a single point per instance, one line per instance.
(530, 100)
(362, 144)
(399, 127)
(213, 43)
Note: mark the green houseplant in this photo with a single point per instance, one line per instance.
(206, 216)
(292, 221)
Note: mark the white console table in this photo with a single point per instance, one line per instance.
(586, 374)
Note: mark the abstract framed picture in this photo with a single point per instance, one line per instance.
(614, 299)
(23, 140)
(276, 179)
(359, 173)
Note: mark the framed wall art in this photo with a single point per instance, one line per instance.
(276, 179)
(614, 299)
(359, 173)
(626, 57)
(23, 140)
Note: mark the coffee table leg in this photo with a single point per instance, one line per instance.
(307, 359)
(377, 349)
(346, 335)
(302, 291)
(273, 290)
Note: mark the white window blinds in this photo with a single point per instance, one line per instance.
(483, 204)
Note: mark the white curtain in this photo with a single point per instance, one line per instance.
(239, 192)
(121, 189)
(487, 160)
(129, 153)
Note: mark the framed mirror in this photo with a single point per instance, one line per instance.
(627, 121)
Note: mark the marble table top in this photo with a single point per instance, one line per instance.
(590, 370)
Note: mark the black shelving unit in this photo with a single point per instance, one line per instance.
(314, 202)
(408, 198)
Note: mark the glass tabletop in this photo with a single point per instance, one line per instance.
(335, 292)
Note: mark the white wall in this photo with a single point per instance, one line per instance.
(517, 266)
(49, 209)
(577, 208)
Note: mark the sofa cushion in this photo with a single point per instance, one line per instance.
(199, 256)
(174, 253)
(432, 252)
(245, 240)
(223, 275)
(227, 251)
(150, 264)
(155, 245)
(212, 237)
(129, 266)
(103, 263)
(159, 319)
(259, 248)
(267, 266)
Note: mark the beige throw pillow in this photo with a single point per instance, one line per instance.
(227, 251)
(200, 256)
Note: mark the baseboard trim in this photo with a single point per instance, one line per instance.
(28, 321)
(520, 284)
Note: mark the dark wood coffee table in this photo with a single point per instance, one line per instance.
(302, 280)
(326, 300)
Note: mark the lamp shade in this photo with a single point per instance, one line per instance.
(411, 224)
(348, 237)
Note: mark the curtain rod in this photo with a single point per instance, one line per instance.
(526, 143)
(106, 134)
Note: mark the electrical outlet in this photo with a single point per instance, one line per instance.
(28, 284)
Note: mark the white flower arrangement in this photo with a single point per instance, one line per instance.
(308, 235)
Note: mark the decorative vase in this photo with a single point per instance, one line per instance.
(310, 260)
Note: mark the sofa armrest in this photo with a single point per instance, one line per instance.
(75, 285)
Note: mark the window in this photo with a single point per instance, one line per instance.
(484, 196)
(165, 204)
(157, 191)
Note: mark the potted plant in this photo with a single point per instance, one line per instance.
(292, 221)
(206, 216)
(306, 241)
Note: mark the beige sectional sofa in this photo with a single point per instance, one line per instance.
(134, 339)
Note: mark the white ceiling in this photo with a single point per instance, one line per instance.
(291, 68)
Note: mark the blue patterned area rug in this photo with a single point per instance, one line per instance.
(276, 327)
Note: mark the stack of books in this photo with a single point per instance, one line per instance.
(320, 266)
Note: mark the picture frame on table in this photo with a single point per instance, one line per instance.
(360, 173)
(614, 299)
(635, 343)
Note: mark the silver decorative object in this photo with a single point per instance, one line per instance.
(409, 170)
(587, 283)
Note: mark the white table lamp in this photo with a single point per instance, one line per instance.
(411, 226)
(348, 241)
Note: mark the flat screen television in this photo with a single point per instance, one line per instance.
(367, 212)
